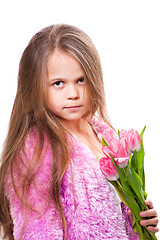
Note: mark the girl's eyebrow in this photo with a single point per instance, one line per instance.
(57, 79)
(64, 79)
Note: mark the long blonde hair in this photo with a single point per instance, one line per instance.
(30, 109)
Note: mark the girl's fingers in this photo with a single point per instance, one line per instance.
(130, 216)
(149, 213)
(153, 229)
(149, 203)
(149, 222)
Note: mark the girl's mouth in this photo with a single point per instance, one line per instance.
(73, 108)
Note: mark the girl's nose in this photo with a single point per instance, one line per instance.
(72, 92)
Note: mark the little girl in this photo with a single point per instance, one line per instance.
(51, 186)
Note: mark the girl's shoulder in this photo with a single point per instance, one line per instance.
(32, 156)
(33, 139)
(34, 151)
(29, 143)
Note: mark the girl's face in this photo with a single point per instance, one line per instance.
(66, 91)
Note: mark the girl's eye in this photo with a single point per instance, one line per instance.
(81, 81)
(58, 84)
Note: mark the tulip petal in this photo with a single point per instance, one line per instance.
(107, 151)
(109, 134)
(133, 140)
(122, 133)
(108, 169)
(122, 162)
(123, 149)
(114, 144)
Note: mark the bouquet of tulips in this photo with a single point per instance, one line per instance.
(124, 168)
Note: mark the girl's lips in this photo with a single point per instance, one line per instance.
(74, 108)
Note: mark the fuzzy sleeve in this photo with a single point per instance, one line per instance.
(129, 231)
(42, 222)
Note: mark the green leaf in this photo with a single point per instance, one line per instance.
(142, 132)
(118, 133)
(144, 194)
(140, 163)
(123, 180)
(135, 183)
(140, 231)
(134, 227)
(104, 143)
(133, 161)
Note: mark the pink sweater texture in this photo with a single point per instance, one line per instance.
(91, 205)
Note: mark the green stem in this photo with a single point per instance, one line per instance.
(140, 230)
(128, 201)
(149, 235)
(144, 233)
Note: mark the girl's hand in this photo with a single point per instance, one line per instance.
(152, 216)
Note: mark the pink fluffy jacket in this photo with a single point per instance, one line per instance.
(91, 205)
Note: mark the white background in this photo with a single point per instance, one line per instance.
(127, 36)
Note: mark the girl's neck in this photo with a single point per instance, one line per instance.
(85, 133)
(75, 127)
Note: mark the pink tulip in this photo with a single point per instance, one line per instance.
(121, 160)
(107, 151)
(122, 133)
(123, 148)
(109, 134)
(108, 169)
(119, 150)
(133, 139)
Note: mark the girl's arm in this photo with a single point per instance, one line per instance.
(40, 220)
